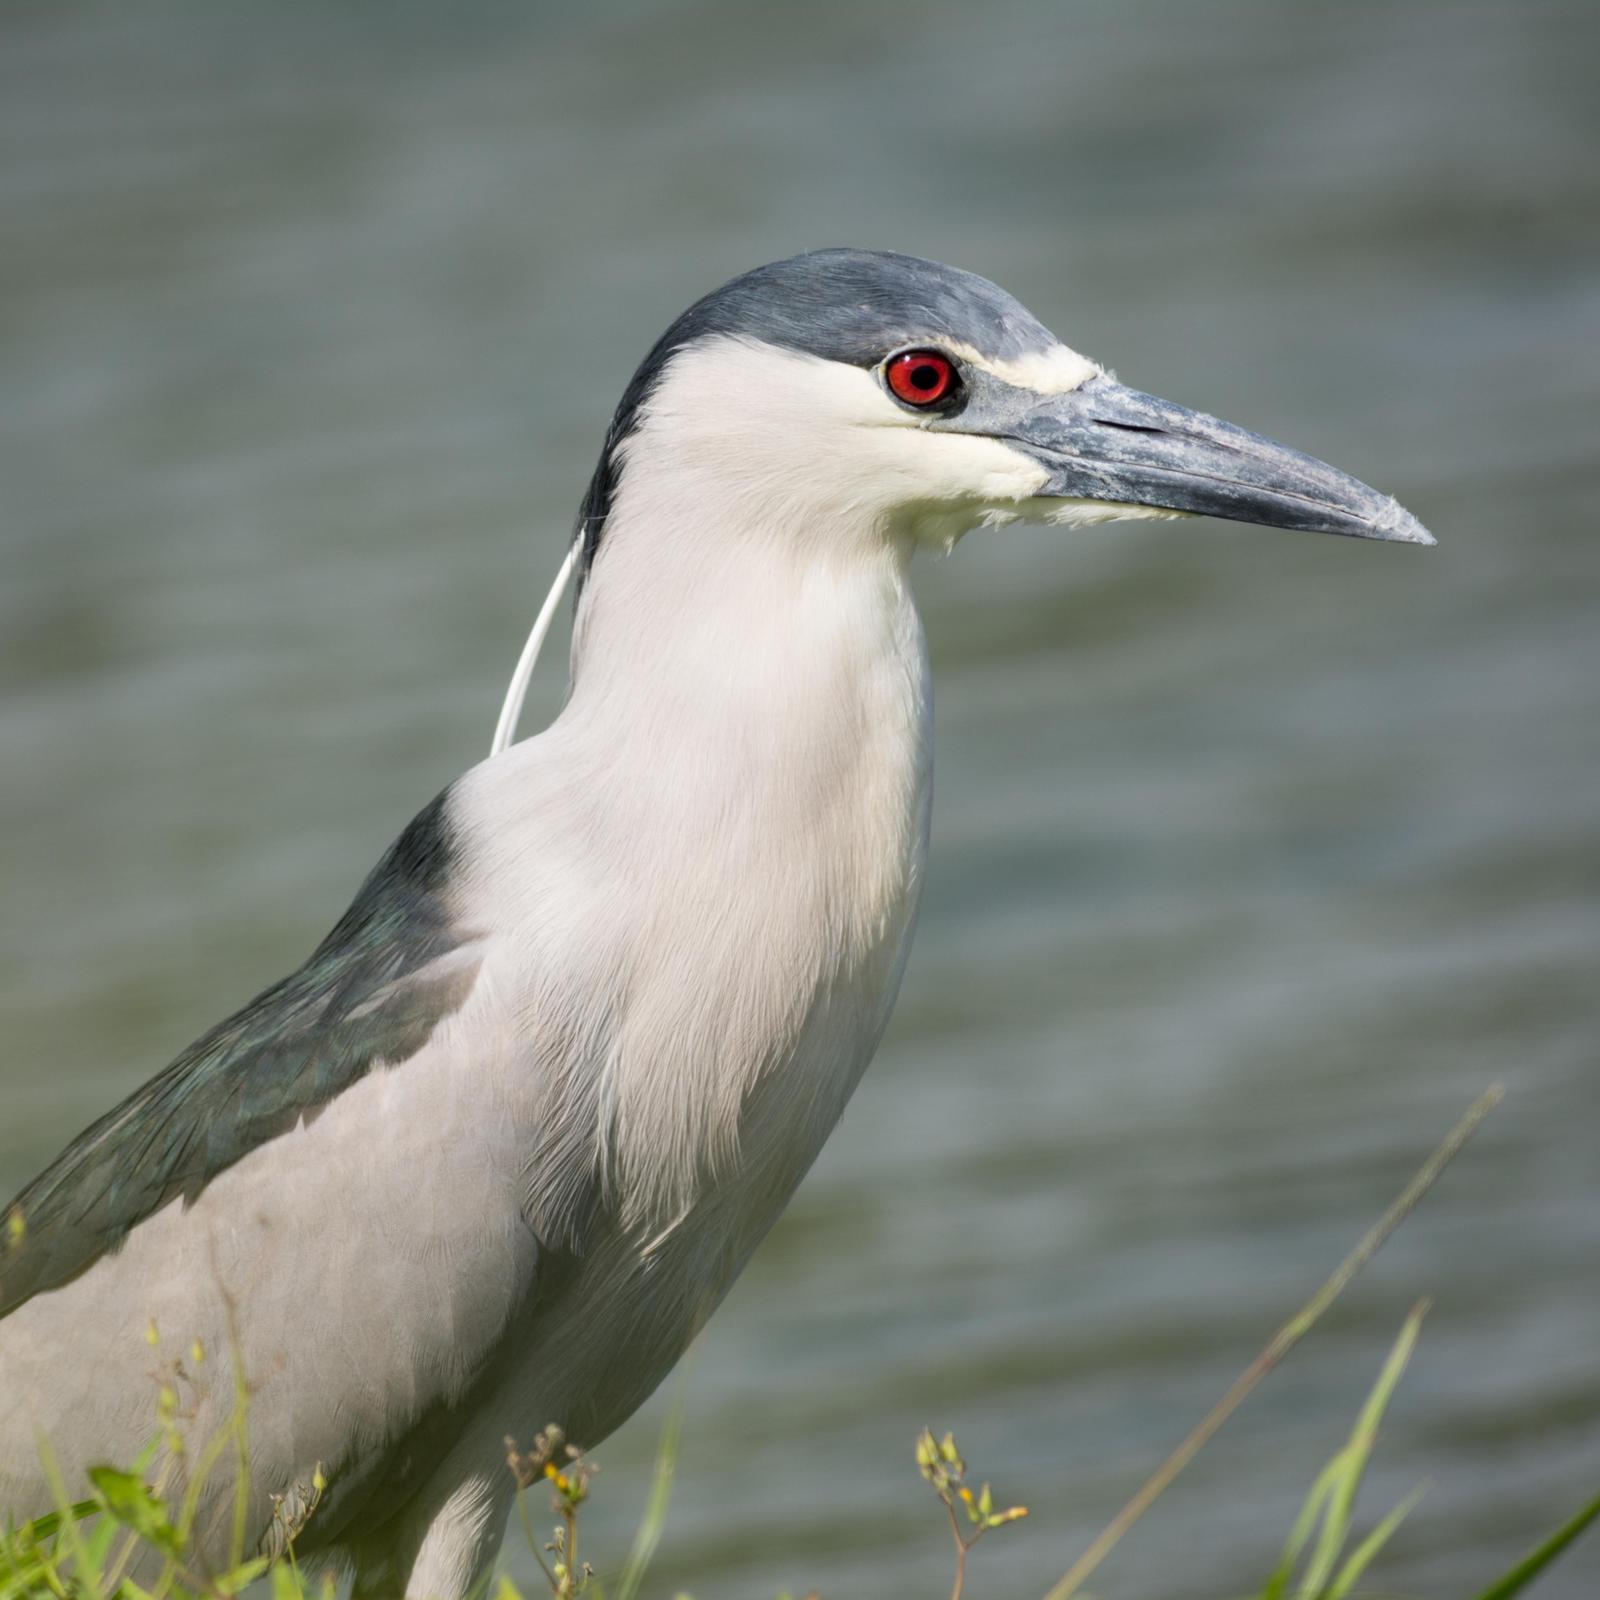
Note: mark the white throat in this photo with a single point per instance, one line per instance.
(758, 716)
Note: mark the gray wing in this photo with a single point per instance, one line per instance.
(364, 996)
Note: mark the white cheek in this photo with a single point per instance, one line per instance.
(780, 435)
(919, 467)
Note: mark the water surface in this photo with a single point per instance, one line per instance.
(1256, 855)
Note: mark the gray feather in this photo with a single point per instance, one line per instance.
(365, 997)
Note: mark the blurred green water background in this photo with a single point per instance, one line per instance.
(1255, 856)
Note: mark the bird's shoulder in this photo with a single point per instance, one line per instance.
(371, 993)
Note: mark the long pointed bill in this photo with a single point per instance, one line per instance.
(1105, 442)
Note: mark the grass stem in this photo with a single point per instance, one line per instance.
(1277, 1347)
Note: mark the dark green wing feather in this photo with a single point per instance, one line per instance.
(364, 997)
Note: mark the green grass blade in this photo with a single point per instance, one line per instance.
(240, 1577)
(1361, 1557)
(1345, 1477)
(46, 1526)
(285, 1583)
(1353, 1461)
(85, 1575)
(655, 1514)
(98, 1546)
(26, 1570)
(1300, 1535)
(1532, 1564)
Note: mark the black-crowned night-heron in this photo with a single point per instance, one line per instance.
(491, 1155)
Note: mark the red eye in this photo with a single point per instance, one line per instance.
(921, 377)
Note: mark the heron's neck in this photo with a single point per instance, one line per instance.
(758, 724)
(773, 639)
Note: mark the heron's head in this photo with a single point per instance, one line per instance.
(859, 395)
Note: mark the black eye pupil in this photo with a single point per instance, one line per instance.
(925, 377)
